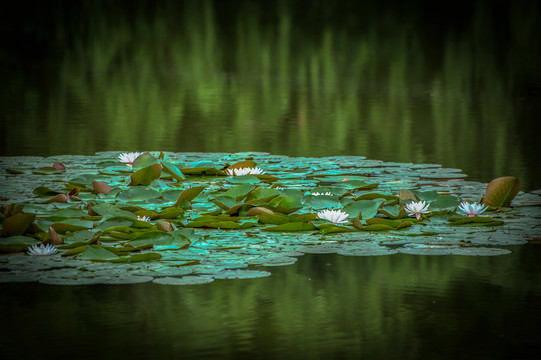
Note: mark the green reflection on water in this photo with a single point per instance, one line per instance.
(362, 80)
(398, 306)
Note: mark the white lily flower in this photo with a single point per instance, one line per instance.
(143, 218)
(318, 194)
(471, 210)
(129, 158)
(334, 216)
(417, 209)
(245, 171)
(42, 249)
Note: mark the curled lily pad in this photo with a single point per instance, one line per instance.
(146, 175)
(17, 224)
(101, 187)
(501, 191)
(173, 170)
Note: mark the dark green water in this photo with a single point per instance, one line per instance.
(458, 85)
(323, 307)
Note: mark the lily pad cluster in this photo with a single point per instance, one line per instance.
(187, 218)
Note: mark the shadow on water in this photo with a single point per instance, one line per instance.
(457, 86)
(324, 307)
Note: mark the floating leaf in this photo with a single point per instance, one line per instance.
(285, 204)
(97, 253)
(501, 191)
(393, 211)
(147, 175)
(170, 240)
(239, 192)
(173, 170)
(331, 229)
(109, 211)
(474, 220)
(60, 198)
(395, 224)
(257, 210)
(170, 213)
(165, 226)
(144, 160)
(72, 225)
(189, 194)
(17, 224)
(261, 195)
(293, 226)
(366, 209)
(137, 258)
(16, 243)
(243, 164)
(404, 195)
(244, 179)
(44, 191)
(202, 171)
(52, 237)
(59, 166)
(377, 227)
(139, 193)
(101, 187)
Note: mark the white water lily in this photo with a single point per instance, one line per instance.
(474, 209)
(319, 194)
(417, 209)
(143, 218)
(129, 158)
(245, 171)
(42, 249)
(334, 216)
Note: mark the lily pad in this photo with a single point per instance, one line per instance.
(501, 191)
(146, 175)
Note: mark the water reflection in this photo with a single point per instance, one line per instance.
(324, 307)
(386, 82)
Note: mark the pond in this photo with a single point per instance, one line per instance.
(323, 85)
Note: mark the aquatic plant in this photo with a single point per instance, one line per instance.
(417, 209)
(245, 171)
(42, 249)
(129, 158)
(334, 216)
(207, 225)
(472, 209)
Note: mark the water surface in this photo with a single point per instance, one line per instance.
(458, 86)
